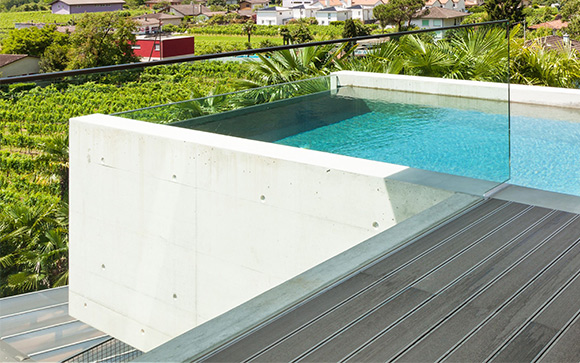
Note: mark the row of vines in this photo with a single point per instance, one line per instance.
(34, 156)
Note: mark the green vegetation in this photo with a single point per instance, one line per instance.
(33, 157)
(34, 118)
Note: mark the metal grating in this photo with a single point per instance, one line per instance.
(112, 350)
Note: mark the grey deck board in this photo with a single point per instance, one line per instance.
(488, 320)
(566, 348)
(491, 283)
(389, 344)
(445, 275)
(294, 319)
(537, 334)
(296, 345)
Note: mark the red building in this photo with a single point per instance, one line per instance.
(159, 47)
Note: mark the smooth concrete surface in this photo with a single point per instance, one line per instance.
(170, 228)
(533, 95)
(244, 318)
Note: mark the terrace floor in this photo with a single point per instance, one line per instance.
(500, 282)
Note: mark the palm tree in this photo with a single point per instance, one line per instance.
(34, 246)
(383, 58)
(248, 28)
(534, 65)
(290, 65)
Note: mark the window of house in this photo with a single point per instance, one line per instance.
(135, 47)
(328, 16)
(425, 22)
(437, 22)
(157, 47)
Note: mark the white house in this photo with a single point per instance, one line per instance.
(363, 13)
(273, 15)
(304, 11)
(334, 13)
(85, 6)
(18, 65)
(458, 5)
(438, 17)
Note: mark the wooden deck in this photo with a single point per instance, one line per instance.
(498, 283)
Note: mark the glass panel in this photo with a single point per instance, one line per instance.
(465, 133)
(200, 113)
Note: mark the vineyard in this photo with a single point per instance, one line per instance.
(7, 20)
(33, 152)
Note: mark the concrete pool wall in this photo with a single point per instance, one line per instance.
(170, 228)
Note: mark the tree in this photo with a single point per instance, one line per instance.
(102, 39)
(397, 12)
(55, 58)
(285, 34)
(504, 10)
(571, 13)
(32, 41)
(301, 35)
(248, 28)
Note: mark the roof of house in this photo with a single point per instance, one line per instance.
(88, 2)
(158, 16)
(431, 2)
(255, 1)
(440, 13)
(554, 24)
(273, 8)
(554, 42)
(148, 22)
(6, 59)
(332, 9)
(367, 2)
(190, 10)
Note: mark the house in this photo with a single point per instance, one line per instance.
(458, 5)
(273, 15)
(253, 4)
(188, 10)
(148, 26)
(472, 3)
(304, 11)
(85, 6)
(154, 3)
(163, 46)
(556, 24)
(293, 3)
(18, 65)
(161, 18)
(362, 13)
(334, 13)
(437, 17)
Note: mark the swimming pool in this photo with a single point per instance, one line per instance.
(545, 153)
(536, 147)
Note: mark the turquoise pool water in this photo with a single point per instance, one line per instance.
(545, 154)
